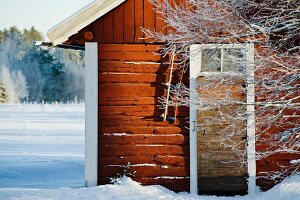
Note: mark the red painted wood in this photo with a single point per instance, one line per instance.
(119, 24)
(149, 18)
(98, 30)
(152, 159)
(142, 139)
(108, 21)
(129, 26)
(139, 21)
(131, 150)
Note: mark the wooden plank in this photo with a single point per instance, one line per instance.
(139, 21)
(118, 24)
(117, 77)
(131, 67)
(124, 138)
(125, 90)
(140, 121)
(157, 159)
(129, 47)
(141, 111)
(149, 18)
(114, 101)
(221, 171)
(145, 171)
(130, 150)
(172, 160)
(130, 56)
(108, 25)
(175, 184)
(129, 26)
(143, 130)
(99, 30)
(131, 78)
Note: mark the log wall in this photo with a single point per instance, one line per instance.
(130, 127)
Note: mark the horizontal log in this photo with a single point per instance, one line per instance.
(144, 171)
(280, 156)
(140, 121)
(154, 79)
(131, 56)
(129, 89)
(261, 169)
(139, 160)
(128, 47)
(175, 183)
(142, 139)
(172, 160)
(139, 111)
(124, 101)
(113, 77)
(136, 67)
(130, 150)
(143, 130)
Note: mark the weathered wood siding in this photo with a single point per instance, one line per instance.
(214, 176)
(130, 127)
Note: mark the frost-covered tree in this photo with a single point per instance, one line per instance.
(14, 83)
(50, 74)
(274, 27)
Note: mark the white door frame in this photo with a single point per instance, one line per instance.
(91, 114)
(195, 68)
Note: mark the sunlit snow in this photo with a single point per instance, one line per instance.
(41, 146)
(42, 156)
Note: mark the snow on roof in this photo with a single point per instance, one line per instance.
(70, 26)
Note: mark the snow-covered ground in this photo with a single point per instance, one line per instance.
(42, 153)
(41, 146)
(130, 190)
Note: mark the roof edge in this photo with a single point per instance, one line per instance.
(73, 24)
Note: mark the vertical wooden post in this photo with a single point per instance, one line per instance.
(195, 60)
(91, 114)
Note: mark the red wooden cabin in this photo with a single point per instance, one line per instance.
(123, 85)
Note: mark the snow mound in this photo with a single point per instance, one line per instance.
(289, 189)
(127, 189)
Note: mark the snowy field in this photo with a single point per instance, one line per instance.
(41, 146)
(42, 156)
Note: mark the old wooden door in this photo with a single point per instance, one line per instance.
(220, 98)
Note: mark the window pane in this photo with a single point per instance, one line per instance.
(211, 60)
(234, 60)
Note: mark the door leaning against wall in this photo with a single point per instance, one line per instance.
(220, 78)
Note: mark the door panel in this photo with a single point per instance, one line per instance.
(221, 135)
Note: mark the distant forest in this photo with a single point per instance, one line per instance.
(30, 73)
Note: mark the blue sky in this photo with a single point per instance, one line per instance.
(42, 14)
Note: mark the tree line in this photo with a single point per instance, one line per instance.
(30, 73)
